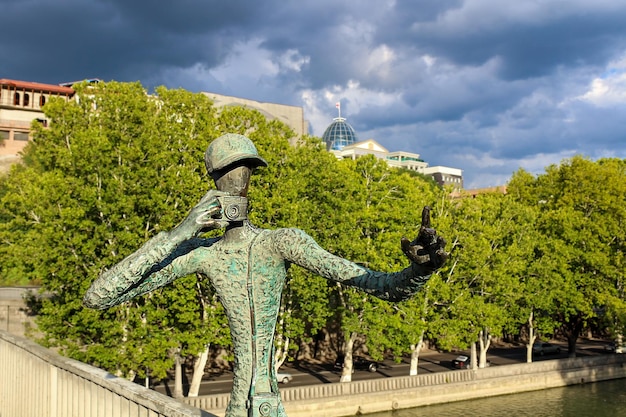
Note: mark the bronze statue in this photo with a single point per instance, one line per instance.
(247, 267)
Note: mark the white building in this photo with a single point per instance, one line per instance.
(341, 140)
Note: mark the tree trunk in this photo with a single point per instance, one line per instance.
(572, 330)
(282, 342)
(484, 340)
(532, 336)
(198, 372)
(118, 372)
(281, 355)
(346, 373)
(282, 348)
(415, 354)
(178, 377)
(571, 345)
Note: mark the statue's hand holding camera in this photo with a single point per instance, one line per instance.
(207, 213)
(204, 216)
(216, 210)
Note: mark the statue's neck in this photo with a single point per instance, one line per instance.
(240, 232)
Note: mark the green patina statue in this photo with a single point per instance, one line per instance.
(247, 267)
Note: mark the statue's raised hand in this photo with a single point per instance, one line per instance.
(208, 212)
(428, 249)
(204, 216)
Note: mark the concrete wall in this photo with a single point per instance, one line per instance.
(334, 400)
(35, 381)
(14, 317)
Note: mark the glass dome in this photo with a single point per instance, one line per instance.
(338, 134)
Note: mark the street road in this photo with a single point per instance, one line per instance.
(429, 362)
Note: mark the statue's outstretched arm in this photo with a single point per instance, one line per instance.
(165, 257)
(426, 254)
(299, 248)
(154, 265)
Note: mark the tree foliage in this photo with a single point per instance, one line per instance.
(116, 166)
(580, 254)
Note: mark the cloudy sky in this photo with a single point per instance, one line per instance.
(487, 86)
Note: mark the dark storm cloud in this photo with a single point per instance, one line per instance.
(122, 40)
(534, 49)
(483, 85)
(533, 46)
(451, 99)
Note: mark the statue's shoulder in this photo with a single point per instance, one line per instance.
(290, 238)
(289, 232)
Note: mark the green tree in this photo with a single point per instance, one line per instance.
(580, 256)
(307, 185)
(489, 240)
(384, 205)
(115, 167)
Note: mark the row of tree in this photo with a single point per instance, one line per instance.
(116, 166)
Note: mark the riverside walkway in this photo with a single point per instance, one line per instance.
(38, 382)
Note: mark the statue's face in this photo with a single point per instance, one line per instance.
(234, 180)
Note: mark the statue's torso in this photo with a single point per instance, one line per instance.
(248, 276)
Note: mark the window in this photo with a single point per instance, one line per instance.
(23, 136)
(16, 99)
(42, 100)
(26, 99)
(4, 135)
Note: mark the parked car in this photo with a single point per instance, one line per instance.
(461, 362)
(614, 347)
(545, 348)
(359, 363)
(283, 377)
(464, 361)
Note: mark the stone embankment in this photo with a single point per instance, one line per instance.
(362, 397)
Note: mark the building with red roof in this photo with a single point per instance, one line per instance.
(21, 103)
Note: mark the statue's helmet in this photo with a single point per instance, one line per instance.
(229, 149)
